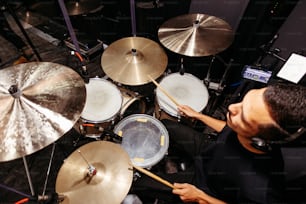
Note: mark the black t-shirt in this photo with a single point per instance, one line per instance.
(226, 170)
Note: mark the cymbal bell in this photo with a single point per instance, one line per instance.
(130, 60)
(98, 172)
(196, 35)
(40, 102)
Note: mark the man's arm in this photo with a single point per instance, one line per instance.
(213, 123)
(190, 193)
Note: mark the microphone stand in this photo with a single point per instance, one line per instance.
(12, 12)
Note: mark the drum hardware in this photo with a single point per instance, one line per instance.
(83, 69)
(5, 4)
(129, 60)
(196, 35)
(99, 172)
(133, 17)
(69, 25)
(218, 87)
(182, 69)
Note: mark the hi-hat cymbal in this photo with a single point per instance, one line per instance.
(97, 173)
(40, 102)
(130, 60)
(80, 7)
(196, 35)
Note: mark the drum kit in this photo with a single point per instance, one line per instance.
(41, 101)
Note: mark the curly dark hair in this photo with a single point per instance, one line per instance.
(287, 105)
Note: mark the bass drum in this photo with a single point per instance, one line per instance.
(133, 103)
(145, 139)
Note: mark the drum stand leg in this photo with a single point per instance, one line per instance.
(42, 197)
(28, 175)
(48, 171)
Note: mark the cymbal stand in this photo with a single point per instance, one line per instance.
(133, 18)
(43, 197)
(28, 175)
(69, 25)
(217, 87)
(207, 78)
(73, 37)
(13, 14)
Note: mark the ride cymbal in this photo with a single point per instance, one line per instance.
(40, 102)
(130, 60)
(97, 173)
(196, 35)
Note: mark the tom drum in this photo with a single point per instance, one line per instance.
(186, 89)
(102, 107)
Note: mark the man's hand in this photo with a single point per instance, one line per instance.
(190, 193)
(187, 111)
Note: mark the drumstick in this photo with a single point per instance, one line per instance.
(164, 91)
(157, 178)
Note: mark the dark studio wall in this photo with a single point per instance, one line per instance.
(254, 22)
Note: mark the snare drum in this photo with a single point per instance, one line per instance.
(145, 139)
(102, 107)
(186, 89)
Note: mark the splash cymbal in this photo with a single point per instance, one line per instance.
(40, 102)
(97, 173)
(130, 60)
(196, 35)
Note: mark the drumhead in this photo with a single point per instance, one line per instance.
(103, 101)
(185, 89)
(144, 138)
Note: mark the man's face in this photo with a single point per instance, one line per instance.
(244, 117)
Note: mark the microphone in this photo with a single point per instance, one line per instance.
(182, 70)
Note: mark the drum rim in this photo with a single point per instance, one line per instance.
(114, 115)
(162, 151)
(189, 75)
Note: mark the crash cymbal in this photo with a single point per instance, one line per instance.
(130, 60)
(196, 35)
(97, 173)
(81, 7)
(40, 102)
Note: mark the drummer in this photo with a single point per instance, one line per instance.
(242, 164)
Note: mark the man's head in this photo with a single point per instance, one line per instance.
(270, 112)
